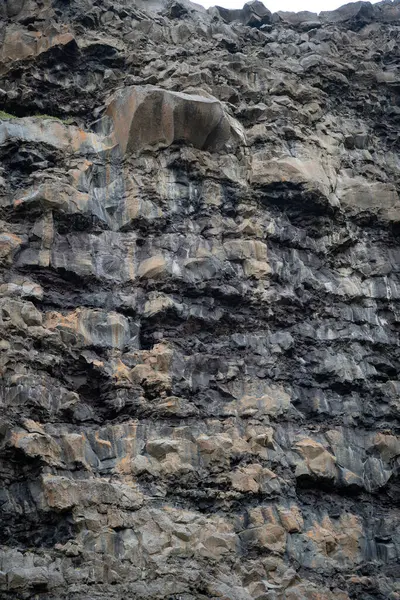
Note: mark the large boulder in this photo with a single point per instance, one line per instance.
(253, 14)
(149, 118)
(356, 14)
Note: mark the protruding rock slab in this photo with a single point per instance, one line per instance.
(19, 44)
(149, 118)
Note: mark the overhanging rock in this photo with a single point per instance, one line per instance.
(150, 118)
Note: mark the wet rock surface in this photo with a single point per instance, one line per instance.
(199, 301)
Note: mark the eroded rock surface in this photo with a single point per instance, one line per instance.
(150, 118)
(199, 301)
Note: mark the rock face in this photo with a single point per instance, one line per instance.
(199, 301)
(150, 118)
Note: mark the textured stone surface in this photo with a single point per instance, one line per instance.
(199, 301)
(150, 118)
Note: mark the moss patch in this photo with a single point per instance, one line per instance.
(5, 115)
(64, 121)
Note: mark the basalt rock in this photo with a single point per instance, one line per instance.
(150, 118)
(253, 14)
(199, 301)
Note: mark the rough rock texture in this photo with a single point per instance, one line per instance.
(199, 301)
(149, 118)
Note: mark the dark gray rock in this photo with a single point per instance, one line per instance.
(199, 302)
(253, 14)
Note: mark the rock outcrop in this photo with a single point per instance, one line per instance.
(199, 301)
(150, 118)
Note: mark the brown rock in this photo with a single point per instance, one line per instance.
(317, 461)
(149, 118)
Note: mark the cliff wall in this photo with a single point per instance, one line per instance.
(199, 301)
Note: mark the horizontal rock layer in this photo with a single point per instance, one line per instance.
(199, 301)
